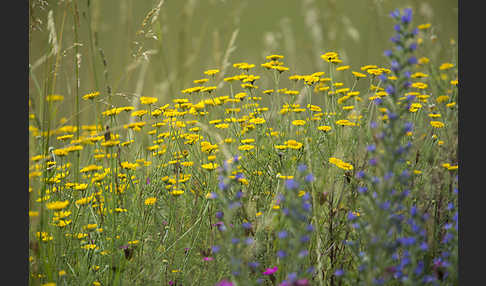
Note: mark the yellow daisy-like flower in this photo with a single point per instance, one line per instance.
(148, 100)
(246, 147)
(340, 164)
(437, 124)
(345, 122)
(329, 56)
(210, 166)
(324, 128)
(91, 95)
(274, 57)
(139, 113)
(424, 26)
(358, 75)
(211, 71)
(293, 144)
(445, 66)
(298, 122)
(57, 205)
(150, 201)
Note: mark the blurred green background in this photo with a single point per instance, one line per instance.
(184, 38)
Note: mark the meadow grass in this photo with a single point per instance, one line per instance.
(251, 173)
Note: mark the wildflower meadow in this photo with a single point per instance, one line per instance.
(245, 168)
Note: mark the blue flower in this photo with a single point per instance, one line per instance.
(412, 60)
(291, 184)
(282, 234)
(362, 189)
(395, 14)
(413, 46)
(407, 15)
(395, 66)
(371, 148)
(390, 89)
(388, 53)
(215, 248)
(339, 272)
(302, 168)
(309, 178)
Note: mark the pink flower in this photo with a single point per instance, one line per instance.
(270, 271)
(224, 282)
(207, 258)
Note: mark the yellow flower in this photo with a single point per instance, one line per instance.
(139, 113)
(423, 60)
(57, 205)
(274, 57)
(442, 98)
(345, 122)
(445, 66)
(324, 128)
(148, 100)
(246, 147)
(342, 68)
(298, 122)
(437, 124)
(424, 26)
(420, 85)
(340, 164)
(358, 74)
(203, 80)
(150, 201)
(210, 166)
(54, 97)
(91, 95)
(212, 72)
(329, 56)
(293, 144)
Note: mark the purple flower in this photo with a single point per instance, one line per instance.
(413, 46)
(395, 66)
(282, 234)
(302, 168)
(304, 238)
(407, 15)
(397, 27)
(388, 53)
(302, 282)
(224, 282)
(309, 178)
(270, 271)
(215, 248)
(395, 14)
(362, 189)
(303, 253)
(281, 254)
(246, 225)
(371, 148)
(208, 258)
(373, 161)
(382, 77)
(395, 39)
(390, 89)
(412, 60)
(351, 216)
(291, 184)
(219, 215)
(339, 272)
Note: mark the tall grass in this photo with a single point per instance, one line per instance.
(157, 164)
